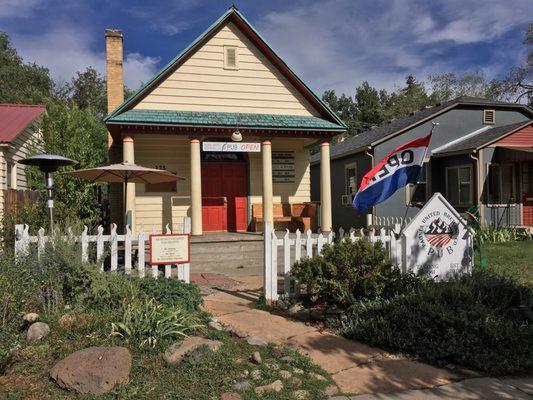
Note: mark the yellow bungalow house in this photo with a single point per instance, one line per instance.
(229, 115)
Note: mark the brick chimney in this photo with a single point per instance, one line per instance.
(115, 82)
(115, 96)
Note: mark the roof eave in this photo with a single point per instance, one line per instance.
(232, 11)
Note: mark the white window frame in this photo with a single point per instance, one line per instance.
(409, 189)
(226, 65)
(485, 117)
(346, 186)
(500, 183)
(471, 191)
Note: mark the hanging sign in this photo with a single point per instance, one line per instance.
(438, 241)
(169, 249)
(232, 147)
(283, 168)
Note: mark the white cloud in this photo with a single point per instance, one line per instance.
(340, 43)
(66, 50)
(19, 8)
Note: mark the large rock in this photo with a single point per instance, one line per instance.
(193, 347)
(276, 386)
(37, 331)
(95, 370)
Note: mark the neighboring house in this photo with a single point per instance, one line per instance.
(480, 154)
(185, 119)
(19, 134)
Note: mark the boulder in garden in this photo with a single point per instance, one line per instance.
(191, 347)
(94, 370)
(37, 331)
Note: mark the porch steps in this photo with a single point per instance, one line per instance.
(234, 257)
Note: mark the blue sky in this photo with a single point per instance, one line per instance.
(329, 43)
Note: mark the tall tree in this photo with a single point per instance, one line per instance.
(369, 106)
(344, 107)
(410, 98)
(21, 82)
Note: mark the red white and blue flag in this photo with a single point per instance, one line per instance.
(400, 167)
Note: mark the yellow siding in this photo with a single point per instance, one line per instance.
(202, 83)
(297, 192)
(162, 208)
(173, 152)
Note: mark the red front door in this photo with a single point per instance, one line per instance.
(224, 194)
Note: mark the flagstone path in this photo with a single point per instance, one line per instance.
(355, 367)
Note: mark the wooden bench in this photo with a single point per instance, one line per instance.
(300, 215)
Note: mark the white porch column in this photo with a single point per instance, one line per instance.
(325, 187)
(13, 182)
(266, 152)
(128, 155)
(196, 188)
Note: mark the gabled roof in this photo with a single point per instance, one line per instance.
(225, 120)
(383, 132)
(482, 139)
(14, 118)
(233, 15)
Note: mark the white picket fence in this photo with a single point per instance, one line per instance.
(293, 247)
(111, 245)
(390, 221)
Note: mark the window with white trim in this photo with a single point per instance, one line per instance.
(350, 180)
(231, 55)
(419, 193)
(459, 185)
(501, 184)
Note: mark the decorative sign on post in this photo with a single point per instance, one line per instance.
(169, 249)
(283, 168)
(232, 147)
(438, 241)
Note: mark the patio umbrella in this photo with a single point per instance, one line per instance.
(125, 173)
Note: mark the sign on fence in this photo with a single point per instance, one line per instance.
(169, 249)
(438, 241)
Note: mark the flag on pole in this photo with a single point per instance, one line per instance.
(400, 167)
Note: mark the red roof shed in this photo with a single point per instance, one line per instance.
(14, 118)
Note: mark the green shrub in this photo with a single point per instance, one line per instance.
(479, 321)
(147, 322)
(348, 271)
(489, 234)
(172, 292)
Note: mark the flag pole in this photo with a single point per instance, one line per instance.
(408, 205)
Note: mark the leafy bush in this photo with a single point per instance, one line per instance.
(171, 292)
(479, 321)
(348, 271)
(148, 322)
(489, 234)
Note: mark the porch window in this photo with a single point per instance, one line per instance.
(350, 174)
(459, 186)
(501, 184)
(418, 194)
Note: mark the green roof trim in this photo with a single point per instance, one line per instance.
(340, 125)
(223, 120)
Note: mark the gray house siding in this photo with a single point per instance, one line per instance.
(343, 216)
(453, 124)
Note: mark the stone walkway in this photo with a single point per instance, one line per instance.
(355, 367)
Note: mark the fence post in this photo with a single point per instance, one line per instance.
(321, 240)
(155, 269)
(41, 239)
(127, 250)
(168, 267)
(309, 244)
(186, 268)
(298, 246)
(84, 244)
(274, 270)
(114, 247)
(286, 263)
(141, 249)
(100, 247)
(267, 277)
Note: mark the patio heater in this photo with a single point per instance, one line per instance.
(48, 164)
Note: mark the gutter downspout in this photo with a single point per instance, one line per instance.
(370, 217)
(479, 184)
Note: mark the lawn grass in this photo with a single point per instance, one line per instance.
(150, 377)
(512, 259)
